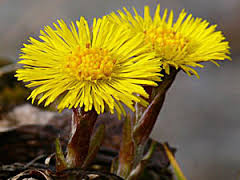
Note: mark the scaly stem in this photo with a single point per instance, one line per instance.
(139, 109)
(78, 145)
(127, 150)
(136, 131)
(145, 124)
(143, 163)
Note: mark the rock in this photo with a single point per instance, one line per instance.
(25, 114)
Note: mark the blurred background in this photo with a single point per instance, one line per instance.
(201, 117)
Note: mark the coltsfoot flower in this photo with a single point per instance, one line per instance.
(99, 67)
(181, 44)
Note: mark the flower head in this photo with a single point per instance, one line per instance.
(182, 44)
(98, 68)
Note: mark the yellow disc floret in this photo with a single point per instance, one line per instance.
(90, 63)
(99, 68)
(182, 44)
(166, 42)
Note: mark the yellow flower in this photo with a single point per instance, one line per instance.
(99, 67)
(181, 44)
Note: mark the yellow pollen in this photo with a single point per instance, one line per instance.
(165, 41)
(90, 63)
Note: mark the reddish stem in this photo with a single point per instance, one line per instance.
(147, 121)
(78, 145)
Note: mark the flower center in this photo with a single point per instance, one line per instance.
(166, 42)
(90, 63)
